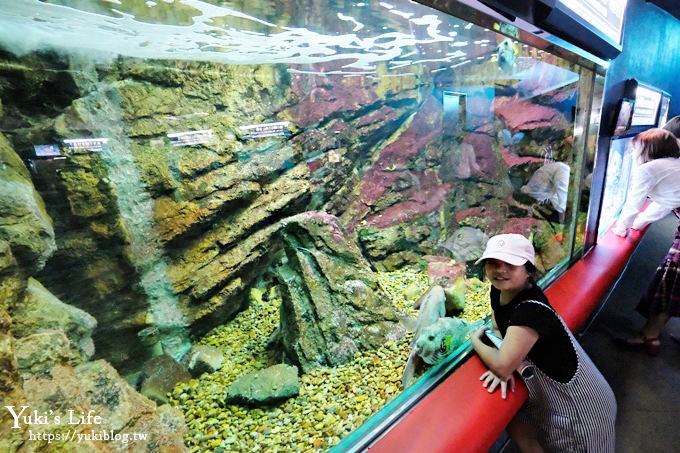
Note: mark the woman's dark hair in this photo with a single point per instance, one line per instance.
(673, 126)
(656, 144)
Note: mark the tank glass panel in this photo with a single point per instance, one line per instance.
(253, 198)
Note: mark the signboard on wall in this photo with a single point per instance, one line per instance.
(605, 15)
(647, 102)
(86, 144)
(191, 138)
(593, 25)
(264, 130)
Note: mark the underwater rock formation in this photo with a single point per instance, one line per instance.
(45, 346)
(38, 353)
(203, 359)
(391, 247)
(262, 387)
(524, 115)
(332, 304)
(41, 312)
(22, 212)
(466, 243)
(159, 376)
(211, 208)
(396, 157)
(443, 269)
(12, 285)
(172, 236)
(464, 160)
(96, 386)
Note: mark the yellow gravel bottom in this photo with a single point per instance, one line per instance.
(332, 402)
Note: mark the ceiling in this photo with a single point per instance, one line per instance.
(672, 6)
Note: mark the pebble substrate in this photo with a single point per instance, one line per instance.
(332, 402)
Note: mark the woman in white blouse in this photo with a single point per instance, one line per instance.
(655, 176)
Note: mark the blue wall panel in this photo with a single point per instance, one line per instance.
(651, 54)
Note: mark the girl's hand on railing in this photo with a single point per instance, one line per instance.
(491, 382)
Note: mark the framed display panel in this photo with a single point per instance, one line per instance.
(357, 156)
(619, 168)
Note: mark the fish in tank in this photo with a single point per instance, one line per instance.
(218, 217)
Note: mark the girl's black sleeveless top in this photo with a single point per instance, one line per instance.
(553, 353)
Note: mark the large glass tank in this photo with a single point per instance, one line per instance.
(235, 208)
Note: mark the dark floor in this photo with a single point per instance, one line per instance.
(647, 388)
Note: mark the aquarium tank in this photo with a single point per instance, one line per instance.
(225, 225)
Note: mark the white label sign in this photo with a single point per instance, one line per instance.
(190, 138)
(264, 130)
(89, 144)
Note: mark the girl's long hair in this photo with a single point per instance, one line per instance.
(656, 144)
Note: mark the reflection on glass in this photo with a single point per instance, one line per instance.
(663, 109)
(582, 239)
(284, 187)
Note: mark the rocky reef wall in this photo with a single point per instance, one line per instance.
(161, 243)
(48, 380)
(211, 210)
